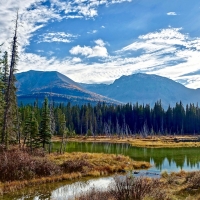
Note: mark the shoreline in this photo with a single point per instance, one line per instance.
(149, 142)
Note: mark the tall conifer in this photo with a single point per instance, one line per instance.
(45, 130)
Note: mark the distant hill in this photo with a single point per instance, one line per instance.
(147, 89)
(34, 85)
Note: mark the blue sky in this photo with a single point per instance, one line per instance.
(97, 41)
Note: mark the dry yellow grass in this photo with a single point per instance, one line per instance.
(181, 186)
(101, 162)
(155, 141)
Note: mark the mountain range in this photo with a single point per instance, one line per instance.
(141, 88)
(32, 85)
(147, 89)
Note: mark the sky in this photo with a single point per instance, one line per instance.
(98, 41)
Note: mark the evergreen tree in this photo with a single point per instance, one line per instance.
(31, 132)
(45, 130)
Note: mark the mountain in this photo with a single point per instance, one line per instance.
(147, 89)
(34, 85)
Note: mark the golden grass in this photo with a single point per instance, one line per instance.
(16, 185)
(179, 186)
(101, 162)
(155, 141)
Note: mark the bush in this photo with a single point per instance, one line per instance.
(130, 188)
(94, 194)
(75, 166)
(19, 165)
(193, 179)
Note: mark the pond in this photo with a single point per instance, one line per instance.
(161, 159)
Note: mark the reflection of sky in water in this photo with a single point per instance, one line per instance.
(70, 191)
(173, 167)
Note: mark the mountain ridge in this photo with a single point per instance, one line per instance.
(147, 89)
(38, 84)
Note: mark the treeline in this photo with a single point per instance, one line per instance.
(121, 120)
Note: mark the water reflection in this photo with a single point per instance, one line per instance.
(169, 159)
(74, 190)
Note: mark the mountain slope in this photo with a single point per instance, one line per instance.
(145, 88)
(33, 85)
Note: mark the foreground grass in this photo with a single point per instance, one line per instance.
(154, 141)
(174, 186)
(19, 169)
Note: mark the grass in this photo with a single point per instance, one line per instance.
(137, 141)
(19, 168)
(97, 162)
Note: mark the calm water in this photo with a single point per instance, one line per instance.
(162, 159)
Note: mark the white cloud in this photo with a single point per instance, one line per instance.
(167, 52)
(76, 60)
(100, 42)
(32, 16)
(92, 32)
(82, 8)
(99, 50)
(57, 37)
(171, 13)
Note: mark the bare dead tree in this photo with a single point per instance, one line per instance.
(10, 112)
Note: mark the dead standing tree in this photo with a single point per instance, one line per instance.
(10, 118)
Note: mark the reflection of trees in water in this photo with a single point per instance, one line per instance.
(181, 157)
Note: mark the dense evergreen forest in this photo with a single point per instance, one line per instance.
(121, 120)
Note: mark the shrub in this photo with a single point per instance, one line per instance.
(193, 179)
(94, 194)
(19, 165)
(75, 165)
(130, 188)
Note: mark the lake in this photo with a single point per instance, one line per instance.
(162, 159)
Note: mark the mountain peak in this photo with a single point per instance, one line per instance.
(38, 84)
(147, 89)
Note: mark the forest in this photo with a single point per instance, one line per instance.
(121, 120)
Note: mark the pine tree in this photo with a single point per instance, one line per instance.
(31, 132)
(45, 130)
